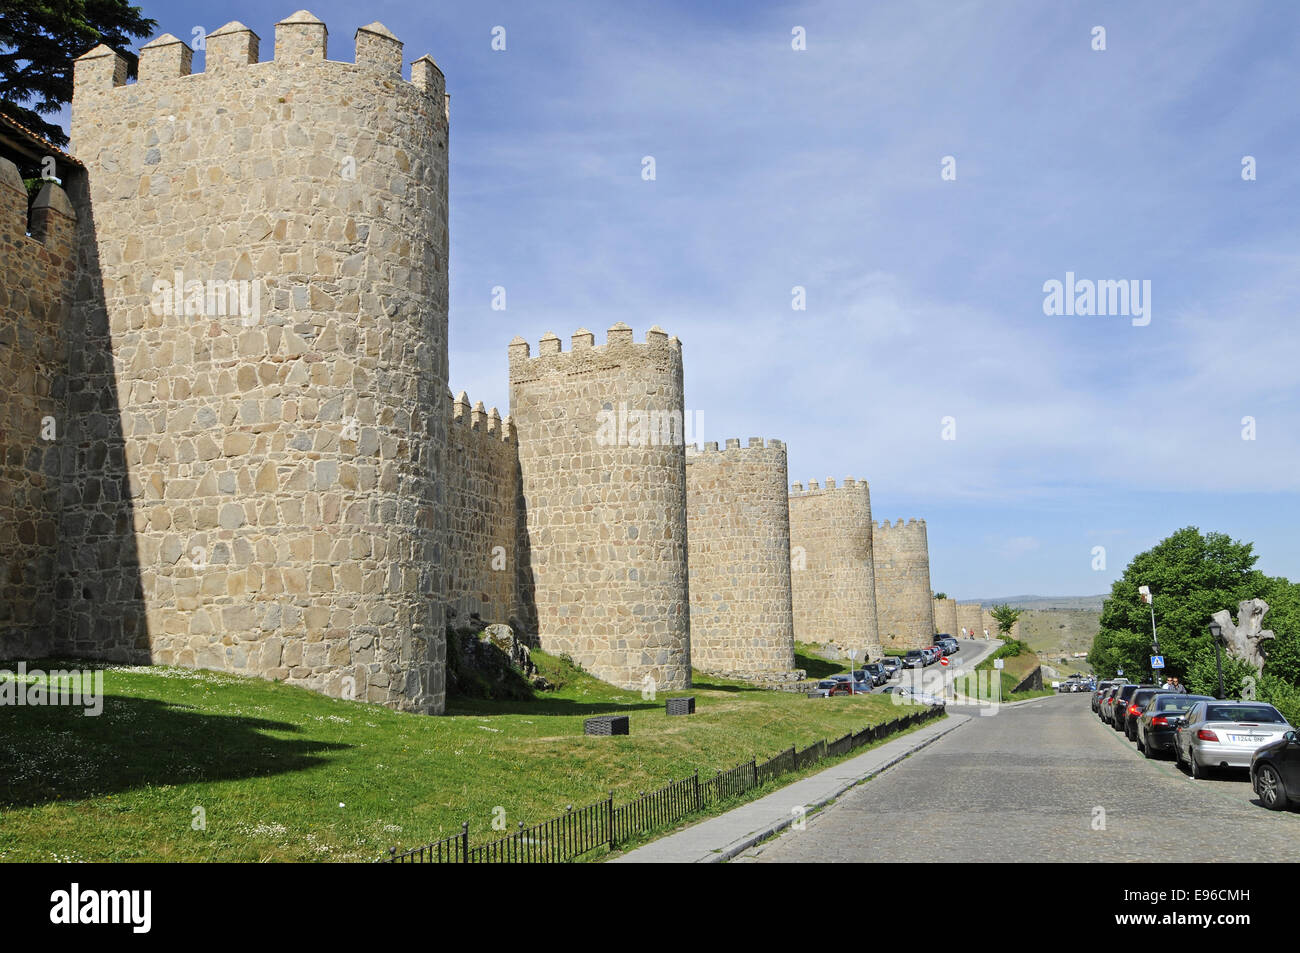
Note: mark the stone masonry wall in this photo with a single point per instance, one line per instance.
(738, 533)
(482, 489)
(604, 478)
(945, 617)
(37, 276)
(904, 599)
(970, 615)
(991, 624)
(833, 570)
(281, 441)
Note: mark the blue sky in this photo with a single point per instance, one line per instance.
(821, 168)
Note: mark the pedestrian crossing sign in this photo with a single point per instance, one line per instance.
(1157, 661)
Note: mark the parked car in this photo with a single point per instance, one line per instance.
(915, 696)
(1155, 727)
(1226, 734)
(1100, 689)
(1275, 772)
(1119, 705)
(1107, 699)
(915, 658)
(947, 644)
(857, 685)
(825, 686)
(876, 672)
(1133, 709)
(893, 665)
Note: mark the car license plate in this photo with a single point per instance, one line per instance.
(1247, 737)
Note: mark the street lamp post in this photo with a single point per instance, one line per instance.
(1216, 631)
(1149, 599)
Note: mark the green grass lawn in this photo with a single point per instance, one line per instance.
(1016, 669)
(280, 773)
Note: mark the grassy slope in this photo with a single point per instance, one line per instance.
(270, 765)
(1051, 633)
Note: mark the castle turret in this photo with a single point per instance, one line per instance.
(904, 600)
(738, 528)
(833, 573)
(603, 471)
(267, 269)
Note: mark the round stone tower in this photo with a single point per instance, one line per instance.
(945, 617)
(738, 528)
(832, 568)
(267, 267)
(904, 600)
(603, 478)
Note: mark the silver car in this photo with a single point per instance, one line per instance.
(1226, 734)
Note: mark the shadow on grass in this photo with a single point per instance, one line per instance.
(817, 667)
(544, 706)
(58, 753)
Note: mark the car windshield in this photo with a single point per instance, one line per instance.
(1175, 703)
(1239, 713)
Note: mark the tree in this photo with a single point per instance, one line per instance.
(39, 39)
(1190, 576)
(1005, 617)
(941, 595)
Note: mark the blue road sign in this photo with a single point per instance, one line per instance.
(1157, 661)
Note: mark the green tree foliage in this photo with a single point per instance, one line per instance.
(39, 39)
(1005, 616)
(1191, 575)
(941, 595)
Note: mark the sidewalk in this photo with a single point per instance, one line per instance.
(723, 837)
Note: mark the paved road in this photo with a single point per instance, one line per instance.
(931, 678)
(1030, 783)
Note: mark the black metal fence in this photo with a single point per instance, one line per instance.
(602, 824)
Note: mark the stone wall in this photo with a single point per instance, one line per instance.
(37, 276)
(833, 578)
(904, 599)
(603, 471)
(945, 617)
(970, 615)
(991, 624)
(738, 533)
(482, 491)
(281, 434)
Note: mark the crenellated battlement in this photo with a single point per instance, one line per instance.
(912, 525)
(301, 40)
(51, 227)
(477, 419)
(693, 451)
(813, 486)
(585, 354)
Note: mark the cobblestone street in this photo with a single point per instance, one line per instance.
(1031, 783)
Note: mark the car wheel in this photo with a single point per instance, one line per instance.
(1198, 772)
(1269, 788)
(1141, 746)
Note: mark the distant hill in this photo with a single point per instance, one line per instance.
(1086, 603)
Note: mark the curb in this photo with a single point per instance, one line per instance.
(736, 848)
